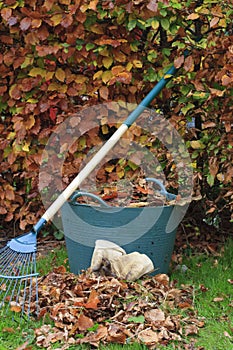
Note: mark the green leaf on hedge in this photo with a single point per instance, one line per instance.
(131, 24)
(165, 23)
(89, 46)
(151, 75)
(154, 24)
(187, 107)
(166, 51)
(152, 55)
(210, 180)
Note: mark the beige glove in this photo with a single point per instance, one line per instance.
(131, 266)
(104, 253)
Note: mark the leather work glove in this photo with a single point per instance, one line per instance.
(131, 266)
(104, 253)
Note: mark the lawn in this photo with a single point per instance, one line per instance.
(212, 281)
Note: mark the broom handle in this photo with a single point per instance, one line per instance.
(96, 159)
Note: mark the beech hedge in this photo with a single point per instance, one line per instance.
(57, 57)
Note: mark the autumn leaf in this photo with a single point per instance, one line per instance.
(197, 144)
(57, 87)
(152, 5)
(137, 63)
(8, 330)
(24, 346)
(25, 23)
(36, 23)
(106, 76)
(179, 61)
(116, 335)
(15, 92)
(188, 64)
(93, 300)
(191, 329)
(148, 337)
(67, 21)
(207, 125)
(104, 92)
(214, 21)
(107, 62)
(6, 13)
(218, 299)
(30, 122)
(193, 16)
(9, 192)
(3, 210)
(109, 41)
(185, 305)
(226, 80)
(60, 269)
(16, 308)
(52, 113)
(60, 74)
(123, 77)
(93, 5)
(56, 19)
(97, 28)
(226, 334)
(65, 2)
(116, 70)
(37, 71)
(82, 324)
(155, 315)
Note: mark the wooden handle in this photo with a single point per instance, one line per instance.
(65, 195)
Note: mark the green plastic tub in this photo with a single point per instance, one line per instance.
(144, 230)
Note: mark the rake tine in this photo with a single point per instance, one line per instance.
(18, 271)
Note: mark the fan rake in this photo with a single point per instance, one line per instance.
(18, 282)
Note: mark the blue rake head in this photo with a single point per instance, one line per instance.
(27, 243)
(24, 244)
(18, 275)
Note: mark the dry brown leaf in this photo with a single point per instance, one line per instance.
(16, 308)
(218, 299)
(162, 278)
(116, 334)
(185, 305)
(8, 330)
(104, 92)
(93, 300)
(82, 324)
(60, 269)
(155, 315)
(148, 337)
(191, 329)
(227, 335)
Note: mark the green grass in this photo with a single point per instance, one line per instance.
(213, 298)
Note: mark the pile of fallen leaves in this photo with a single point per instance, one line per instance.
(94, 309)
